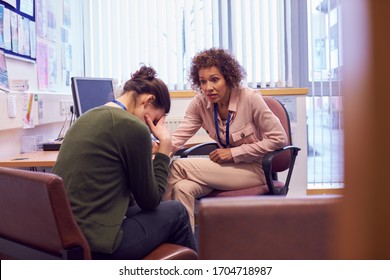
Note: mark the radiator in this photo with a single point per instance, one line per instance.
(174, 122)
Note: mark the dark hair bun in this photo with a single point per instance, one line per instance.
(145, 73)
(144, 81)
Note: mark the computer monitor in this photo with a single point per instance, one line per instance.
(89, 93)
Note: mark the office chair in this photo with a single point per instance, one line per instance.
(274, 162)
(36, 221)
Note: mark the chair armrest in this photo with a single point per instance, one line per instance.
(267, 167)
(167, 251)
(200, 149)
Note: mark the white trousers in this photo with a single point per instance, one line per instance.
(191, 178)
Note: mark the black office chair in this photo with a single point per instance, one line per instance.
(274, 162)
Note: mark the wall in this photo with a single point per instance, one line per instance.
(50, 123)
(298, 183)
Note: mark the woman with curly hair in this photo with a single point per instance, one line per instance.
(236, 117)
(114, 185)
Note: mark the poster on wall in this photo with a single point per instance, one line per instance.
(27, 7)
(1, 26)
(24, 35)
(4, 85)
(33, 40)
(41, 18)
(7, 29)
(52, 67)
(66, 55)
(290, 103)
(15, 35)
(66, 13)
(42, 51)
(51, 21)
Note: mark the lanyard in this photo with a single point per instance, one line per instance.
(119, 104)
(216, 126)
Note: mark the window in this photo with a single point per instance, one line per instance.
(165, 34)
(324, 103)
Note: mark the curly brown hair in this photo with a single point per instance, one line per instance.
(226, 63)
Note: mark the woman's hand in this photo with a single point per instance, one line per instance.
(161, 132)
(221, 156)
(155, 147)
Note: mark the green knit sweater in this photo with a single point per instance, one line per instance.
(106, 163)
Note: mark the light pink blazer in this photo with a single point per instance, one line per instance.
(254, 129)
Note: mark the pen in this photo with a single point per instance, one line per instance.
(21, 158)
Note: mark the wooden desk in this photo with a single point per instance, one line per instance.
(48, 158)
(35, 159)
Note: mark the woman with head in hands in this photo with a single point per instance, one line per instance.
(115, 182)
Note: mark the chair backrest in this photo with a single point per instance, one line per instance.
(281, 162)
(36, 221)
(268, 227)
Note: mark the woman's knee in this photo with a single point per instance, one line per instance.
(175, 168)
(182, 190)
(174, 206)
(176, 174)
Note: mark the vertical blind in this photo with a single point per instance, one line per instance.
(324, 103)
(120, 35)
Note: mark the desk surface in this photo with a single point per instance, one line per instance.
(48, 158)
(36, 159)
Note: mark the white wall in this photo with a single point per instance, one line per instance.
(11, 128)
(298, 183)
(48, 126)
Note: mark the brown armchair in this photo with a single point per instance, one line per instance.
(36, 221)
(267, 227)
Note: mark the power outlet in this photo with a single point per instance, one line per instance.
(63, 104)
(65, 107)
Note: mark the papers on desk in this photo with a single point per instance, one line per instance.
(31, 143)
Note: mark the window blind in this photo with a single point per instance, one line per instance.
(324, 102)
(120, 35)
